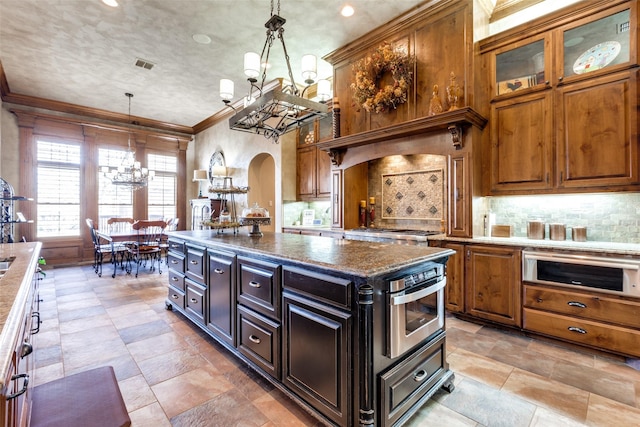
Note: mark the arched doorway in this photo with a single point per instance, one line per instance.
(262, 186)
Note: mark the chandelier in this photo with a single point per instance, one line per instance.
(129, 173)
(279, 111)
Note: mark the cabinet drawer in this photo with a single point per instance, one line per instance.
(594, 307)
(259, 340)
(176, 279)
(594, 334)
(176, 261)
(176, 246)
(328, 288)
(195, 263)
(176, 297)
(259, 286)
(194, 300)
(403, 385)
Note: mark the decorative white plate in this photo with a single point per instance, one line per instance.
(597, 57)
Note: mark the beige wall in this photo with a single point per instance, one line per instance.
(9, 148)
(239, 149)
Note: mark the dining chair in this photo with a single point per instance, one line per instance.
(147, 245)
(119, 225)
(99, 248)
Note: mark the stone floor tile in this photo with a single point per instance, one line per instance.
(564, 399)
(606, 412)
(144, 331)
(603, 383)
(150, 416)
(183, 392)
(522, 357)
(489, 406)
(136, 393)
(154, 346)
(86, 323)
(544, 417)
(555, 350)
(436, 414)
(480, 368)
(471, 342)
(164, 366)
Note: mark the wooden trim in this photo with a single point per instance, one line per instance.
(505, 8)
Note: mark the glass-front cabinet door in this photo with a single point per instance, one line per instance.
(600, 42)
(521, 67)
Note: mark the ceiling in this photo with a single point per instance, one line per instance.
(83, 52)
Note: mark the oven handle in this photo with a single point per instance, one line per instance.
(587, 261)
(414, 296)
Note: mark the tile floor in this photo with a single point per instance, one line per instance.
(171, 374)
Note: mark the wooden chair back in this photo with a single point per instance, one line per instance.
(149, 234)
(120, 224)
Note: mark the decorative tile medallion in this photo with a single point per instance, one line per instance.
(413, 195)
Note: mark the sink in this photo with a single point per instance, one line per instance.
(5, 263)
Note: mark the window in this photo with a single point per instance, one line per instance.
(114, 201)
(161, 203)
(58, 189)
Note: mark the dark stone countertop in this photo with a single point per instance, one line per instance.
(365, 259)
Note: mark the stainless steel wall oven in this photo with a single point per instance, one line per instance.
(620, 276)
(415, 308)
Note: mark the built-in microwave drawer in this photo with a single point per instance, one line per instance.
(259, 286)
(404, 384)
(259, 340)
(594, 334)
(592, 306)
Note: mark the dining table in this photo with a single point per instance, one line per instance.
(118, 241)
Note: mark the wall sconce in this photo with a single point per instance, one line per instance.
(200, 175)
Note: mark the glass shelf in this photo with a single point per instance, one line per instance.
(520, 68)
(601, 43)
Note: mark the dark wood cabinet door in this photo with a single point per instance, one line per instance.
(597, 133)
(493, 279)
(522, 143)
(221, 295)
(317, 354)
(306, 167)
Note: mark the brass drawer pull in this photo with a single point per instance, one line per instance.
(420, 375)
(254, 339)
(576, 304)
(254, 284)
(576, 329)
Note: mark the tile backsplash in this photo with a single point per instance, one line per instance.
(609, 217)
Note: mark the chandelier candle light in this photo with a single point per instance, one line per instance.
(129, 173)
(279, 111)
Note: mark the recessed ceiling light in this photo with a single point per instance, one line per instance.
(112, 3)
(347, 10)
(201, 38)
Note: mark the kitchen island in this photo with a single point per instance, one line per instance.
(316, 317)
(18, 323)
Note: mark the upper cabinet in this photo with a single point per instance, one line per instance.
(563, 93)
(313, 164)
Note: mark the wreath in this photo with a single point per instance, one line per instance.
(370, 70)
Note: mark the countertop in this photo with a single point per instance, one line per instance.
(15, 285)
(632, 249)
(360, 258)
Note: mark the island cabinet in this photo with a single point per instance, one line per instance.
(309, 314)
(221, 295)
(592, 319)
(317, 335)
(493, 281)
(564, 96)
(176, 258)
(195, 286)
(259, 330)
